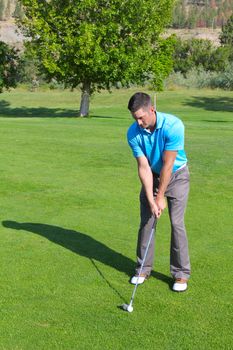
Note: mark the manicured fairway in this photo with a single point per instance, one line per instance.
(69, 220)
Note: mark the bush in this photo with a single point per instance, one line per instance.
(199, 79)
(55, 85)
(200, 54)
(195, 78)
(226, 37)
(224, 80)
(193, 53)
(220, 58)
(8, 66)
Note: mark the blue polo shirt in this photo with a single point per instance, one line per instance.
(167, 136)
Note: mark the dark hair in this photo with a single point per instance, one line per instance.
(139, 100)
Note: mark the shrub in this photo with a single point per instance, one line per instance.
(199, 78)
(226, 37)
(200, 54)
(8, 66)
(195, 78)
(224, 80)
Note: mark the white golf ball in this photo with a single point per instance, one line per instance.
(130, 308)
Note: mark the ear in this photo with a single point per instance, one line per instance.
(152, 109)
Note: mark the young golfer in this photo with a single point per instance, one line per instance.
(157, 143)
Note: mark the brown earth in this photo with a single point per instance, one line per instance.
(198, 33)
(9, 33)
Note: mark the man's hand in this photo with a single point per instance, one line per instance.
(158, 206)
(155, 210)
(160, 202)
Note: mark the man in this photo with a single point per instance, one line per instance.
(157, 142)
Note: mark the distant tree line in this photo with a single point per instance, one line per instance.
(198, 63)
(201, 53)
(201, 13)
(10, 8)
(98, 44)
(9, 73)
(186, 13)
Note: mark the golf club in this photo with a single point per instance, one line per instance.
(129, 307)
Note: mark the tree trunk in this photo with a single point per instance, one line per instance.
(85, 100)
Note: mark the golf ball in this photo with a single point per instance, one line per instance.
(130, 308)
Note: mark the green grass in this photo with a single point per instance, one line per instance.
(69, 214)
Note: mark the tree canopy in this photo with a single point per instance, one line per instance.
(8, 66)
(98, 43)
(200, 53)
(226, 37)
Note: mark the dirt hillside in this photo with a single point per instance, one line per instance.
(198, 33)
(9, 33)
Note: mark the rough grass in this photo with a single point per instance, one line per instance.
(69, 213)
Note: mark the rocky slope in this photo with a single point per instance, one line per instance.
(9, 33)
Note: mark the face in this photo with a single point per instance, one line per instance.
(145, 117)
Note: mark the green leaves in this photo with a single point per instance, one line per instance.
(200, 54)
(8, 66)
(103, 42)
(226, 37)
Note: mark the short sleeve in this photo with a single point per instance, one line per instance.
(134, 143)
(175, 137)
(136, 149)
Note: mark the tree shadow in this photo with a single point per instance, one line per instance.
(83, 245)
(217, 121)
(224, 104)
(36, 112)
(6, 111)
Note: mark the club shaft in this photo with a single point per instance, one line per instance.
(143, 261)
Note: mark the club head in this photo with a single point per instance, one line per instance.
(127, 307)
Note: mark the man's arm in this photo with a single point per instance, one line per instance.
(165, 176)
(146, 177)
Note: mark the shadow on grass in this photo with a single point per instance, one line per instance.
(36, 112)
(224, 104)
(6, 111)
(84, 245)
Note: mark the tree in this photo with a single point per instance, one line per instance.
(2, 9)
(18, 12)
(8, 66)
(201, 54)
(220, 59)
(95, 44)
(198, 53)
(8, 10)
(226, 37)
(179, 15)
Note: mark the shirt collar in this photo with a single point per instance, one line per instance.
(159, 123)
(159, 120)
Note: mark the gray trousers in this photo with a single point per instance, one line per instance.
(177, 195)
